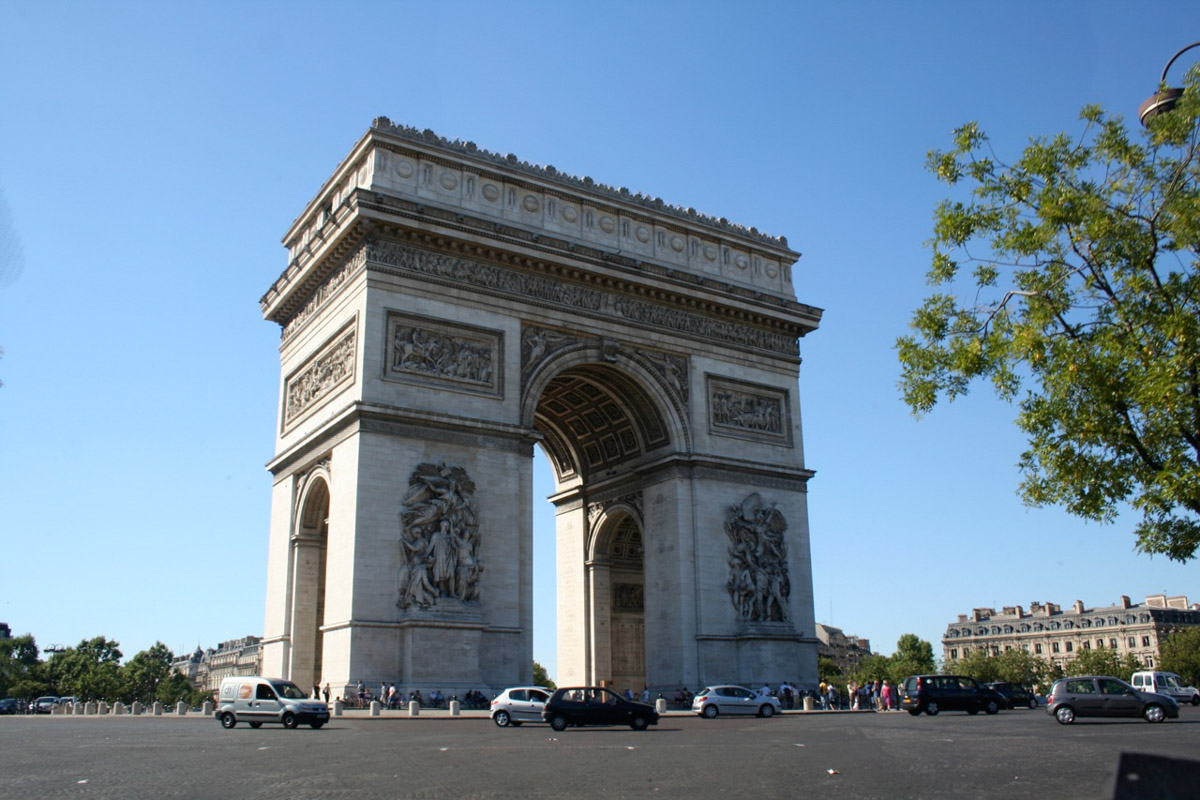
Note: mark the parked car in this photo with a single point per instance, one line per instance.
(1167, 683)
(936, 693)
(1104, 696)
(44, 705)
(519, 705)
(1015, 695)
(714, 700)
(10, 705)
(596, 705)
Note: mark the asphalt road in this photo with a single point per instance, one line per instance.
(1015, 754)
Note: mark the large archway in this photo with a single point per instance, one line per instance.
(443, 312)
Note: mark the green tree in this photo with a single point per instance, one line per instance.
(143, 674)
(829, 671)
(91, 670)
(913, 656)
(873, 668)
(18, 658)
(1082, 302)
(1103, 661)
(1180, 653)
(540, 678)
(976, 664)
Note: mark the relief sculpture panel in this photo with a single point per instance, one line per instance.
(748, 411)
(758, 573)
(439, 539)
(426, 351)
(319, 376)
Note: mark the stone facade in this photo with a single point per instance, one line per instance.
(204, 669)
(1049, 632)
(844, 650)
(445, 310)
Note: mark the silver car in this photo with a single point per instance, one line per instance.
(1105, 696)
(734, 700)
(518, 705)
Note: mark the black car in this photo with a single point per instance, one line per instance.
(10, 705)
(935, 693)
(1015, 695)
(596, 705)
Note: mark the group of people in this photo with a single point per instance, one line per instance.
(392, 698)
(877, 695)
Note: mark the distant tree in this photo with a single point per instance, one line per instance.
(90, 670)
(1082, 305)
(977, 664)
(1180, 653)
(1021, 666)
(1103, 661)
(143, 674)
(540, 678)
(18, 658)
(913, 656)
(829, 671)
(873, 668)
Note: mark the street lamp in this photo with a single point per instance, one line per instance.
(1164, 99)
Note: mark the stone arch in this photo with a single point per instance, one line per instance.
(309, 558)
(617, 589)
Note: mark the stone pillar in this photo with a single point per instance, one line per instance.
(338, 707)
(102, 708)
(808, 703)
(660, 705)
(181, 708)
(118, 709)
(375, 708)
(414, 708)
(137, 708)
(89, 708)
(207, 708)
(454, 708)
(158, 708)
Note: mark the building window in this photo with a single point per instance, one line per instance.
(954, 653)
(1145, 641)
(1100, 643)
(1054, 647)
(1070, 646)
(1087, 645)
(1037, 648)
(1112, 643)
(1132, 642)
(1007, 647)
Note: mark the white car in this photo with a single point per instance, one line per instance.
(518, 705)
(730, 699)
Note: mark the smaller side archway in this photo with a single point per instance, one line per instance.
(309, 555)
(616, 585)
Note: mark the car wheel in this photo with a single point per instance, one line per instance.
(1033, 704)
(558, 722)
(932, 709)
(1065, 715)
(255, 725)
(639, 723)
(1196, 700)
(289, 720)
(766, 711)
(973, 710)
(316, 726)
(1154, 713)
(992, 707)
(228, 720)
(916, 712)
(710, 712)
(502, 719)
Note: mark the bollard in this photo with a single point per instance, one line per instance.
(338, 706)
(118, 708)
(454, 708)
(181, 708)
(137, 708)
(102, 708)
(414, 708)
(157, 708)
(660, 705)
(207, 708)
(89, 708)
(808, 704)
(375, 708)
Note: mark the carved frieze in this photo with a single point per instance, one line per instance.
(328, 288)
(537, 345)
(320, 376)
(428, 351)
(597, 509)
(758, 572)
(576, 297)
(748, 411)
(670, 368)
(439, 540)
(628, 597)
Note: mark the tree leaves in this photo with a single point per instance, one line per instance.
(1069, 280)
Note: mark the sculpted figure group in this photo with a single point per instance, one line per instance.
(758, 577)
(439, 538)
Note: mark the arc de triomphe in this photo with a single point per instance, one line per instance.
(444, 310)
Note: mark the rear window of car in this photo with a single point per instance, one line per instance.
(1081, 687)
(518, 694)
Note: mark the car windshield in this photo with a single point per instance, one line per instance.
(288, 690)
(1171, 681)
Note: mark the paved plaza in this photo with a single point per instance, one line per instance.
(1016, 754)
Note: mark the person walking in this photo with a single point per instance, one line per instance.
(885, 696)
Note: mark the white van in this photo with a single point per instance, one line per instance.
(254, 699)
(1167, 683)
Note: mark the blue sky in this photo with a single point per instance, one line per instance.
(153, 154)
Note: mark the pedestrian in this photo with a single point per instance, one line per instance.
(325, 692)
(316, 692)
(885, 695)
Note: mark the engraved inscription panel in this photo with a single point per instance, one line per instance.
(428, 351)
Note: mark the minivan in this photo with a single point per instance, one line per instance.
(255, 700)
(1167, 683)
